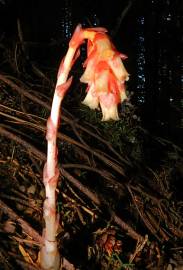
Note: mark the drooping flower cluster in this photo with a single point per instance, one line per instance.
(105, 73)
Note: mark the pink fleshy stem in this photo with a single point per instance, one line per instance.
(49, 255)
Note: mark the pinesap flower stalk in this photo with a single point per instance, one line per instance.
(105, 76)
(49, 255)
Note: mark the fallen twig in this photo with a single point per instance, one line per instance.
(25, 225)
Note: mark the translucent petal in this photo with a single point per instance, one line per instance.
(108, 106)
(123, 95)
(91, 100)
(101, 82)
(118, 68)
(89, 72)
(110, 113)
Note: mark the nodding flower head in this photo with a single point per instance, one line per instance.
(104, 73)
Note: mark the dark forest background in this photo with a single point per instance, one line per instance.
(118, 180)
(148, 31)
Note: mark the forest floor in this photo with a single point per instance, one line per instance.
(119, 193)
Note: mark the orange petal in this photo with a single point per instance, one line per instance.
(109, 112)
(118, 68)
(107, 99)
(113, 87)
(101, 81)
(89, 47)
(77, 38)
(97, 29)
(101, 66)
(92, 54)
(91, 99)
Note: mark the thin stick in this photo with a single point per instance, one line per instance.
(25, 225)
